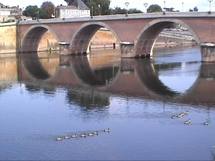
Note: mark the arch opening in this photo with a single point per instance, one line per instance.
(163, 33)
(176, 56)
(39, 39)
(94, 36)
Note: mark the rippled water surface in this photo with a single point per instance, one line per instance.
(139, 101)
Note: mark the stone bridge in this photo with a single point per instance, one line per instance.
(136, 33)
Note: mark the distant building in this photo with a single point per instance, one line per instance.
(9, 13)
(73, 11)
(171, 9)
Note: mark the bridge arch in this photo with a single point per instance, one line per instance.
(33, 36)
(81, 39)
(147, 37)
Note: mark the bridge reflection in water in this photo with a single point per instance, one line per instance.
(91, 84)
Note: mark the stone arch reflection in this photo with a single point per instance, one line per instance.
(148, 76)
(93, 77)
(39, 68)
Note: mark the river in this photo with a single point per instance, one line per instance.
(103, 108)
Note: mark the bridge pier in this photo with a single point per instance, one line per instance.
(208, 52)
(64, 48)
(127, 50)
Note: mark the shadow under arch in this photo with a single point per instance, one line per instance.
(33, 36)
(81, 39)
(147, 38)
(89, 77)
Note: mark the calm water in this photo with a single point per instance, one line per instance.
(53, 97)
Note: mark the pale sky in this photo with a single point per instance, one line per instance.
(203, 5)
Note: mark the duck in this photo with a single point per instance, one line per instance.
(173, 116)
(206, 123)
(188, 122)
(67, 137)
(83, 135)
(96, 133)
(107, 130)
(59, 139)
(180, 115)
(91, 134)
(74, 136)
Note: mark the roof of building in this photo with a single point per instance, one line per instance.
(82, 5)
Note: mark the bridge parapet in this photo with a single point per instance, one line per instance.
(122, 17)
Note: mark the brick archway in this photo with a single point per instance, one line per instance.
(81, 39)
(33, 36)
(147, 37)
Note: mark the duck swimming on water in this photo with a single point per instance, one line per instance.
(96, 133)
(67, 137)
(188, 122)
(107, 130)
(91, 134)
(83, 135)
(59, 139)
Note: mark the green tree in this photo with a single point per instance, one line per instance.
(31, 11)
(98, 7)
(134, 10)
(118, 10)
(195, 9)
(154, 8)
(47, 10)
(42, 14)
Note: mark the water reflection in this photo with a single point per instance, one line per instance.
(174, 67)
(88, 99)
(97, 77)
(39, 68)
(150, 79)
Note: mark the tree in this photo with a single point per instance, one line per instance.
(118, 10)
(134, 10)
(195, 9)
(98, 7)
(31, 11)
(154, 8)
(47, 10)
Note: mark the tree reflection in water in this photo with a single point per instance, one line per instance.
(88, 99)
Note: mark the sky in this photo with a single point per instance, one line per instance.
(203, 5)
